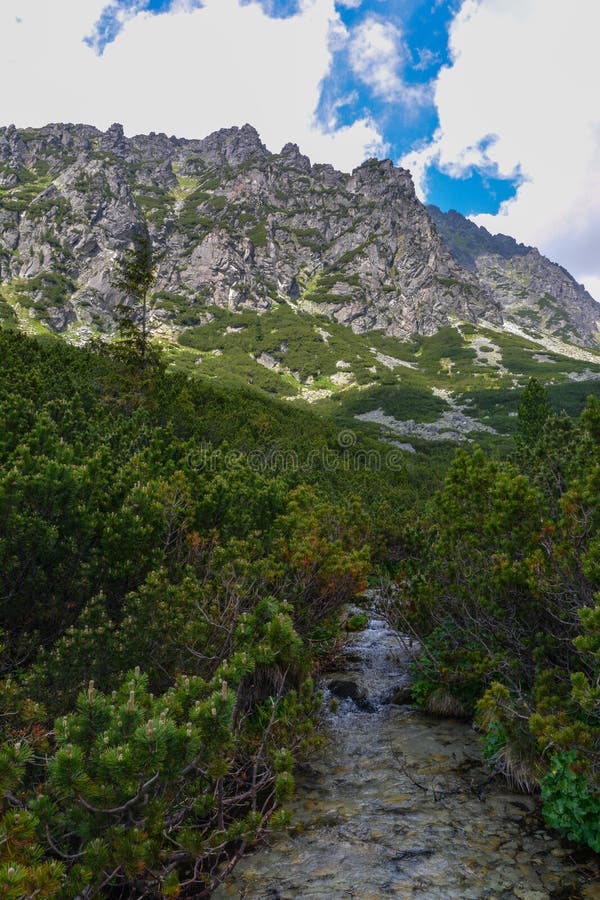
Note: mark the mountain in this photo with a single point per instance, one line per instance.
(534, 293)
(239, 228)
(234, 225)
(308, 284)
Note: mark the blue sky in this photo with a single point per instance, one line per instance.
(418, 31)
(422, 27)
(492, 104)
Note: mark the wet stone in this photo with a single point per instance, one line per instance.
(523, 894)
(591, 892)
(387, 809)
(346, 689)
(401, 696)
(352, 659)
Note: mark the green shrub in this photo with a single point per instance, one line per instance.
(570, 804)
(357, 622)
(494, 741)
(53, 287)
(258, 235)
(149, 792)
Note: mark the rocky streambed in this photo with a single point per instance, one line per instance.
(399, 805)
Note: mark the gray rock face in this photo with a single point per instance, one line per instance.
(232, 225)
(534, 292)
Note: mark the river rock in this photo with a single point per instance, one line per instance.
(347, 689)
(402, 696)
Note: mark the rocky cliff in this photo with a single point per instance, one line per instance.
(534, 292)
(233, 226)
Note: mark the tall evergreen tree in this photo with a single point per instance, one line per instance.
(534, 410)
(135, 276)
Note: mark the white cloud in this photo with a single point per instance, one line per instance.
(527, 71)
(376, 57)
(426, 58)
(186, 73)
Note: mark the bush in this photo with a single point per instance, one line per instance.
(137, 533)
(156, 793)
(500, 587)
(571, 805)
(357, 622)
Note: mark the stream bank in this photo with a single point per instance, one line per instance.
(399, 805)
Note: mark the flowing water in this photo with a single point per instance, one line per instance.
(398, 805)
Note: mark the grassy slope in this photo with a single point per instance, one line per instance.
(344, 374)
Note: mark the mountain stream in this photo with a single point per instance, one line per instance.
(398, 804)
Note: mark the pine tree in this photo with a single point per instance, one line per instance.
(534, 410)
(135, 276)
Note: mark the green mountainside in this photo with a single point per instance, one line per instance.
(310, 285)
(465, 378)
(331, 389)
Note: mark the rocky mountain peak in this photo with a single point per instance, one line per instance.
(535, 293)
(234, 226)
(291, 154)
(233, 146)
(114, 141)
(380, 177)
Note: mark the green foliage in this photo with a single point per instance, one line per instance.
(217, 202)
(591, 418)
(445, 344)
(570, 398)
(357, 622)
(23, 870)
(146, 522)
(29, 185)
(7, 314)
(495, 741)
(53, 287)
(494, 405)
(156, 203)
(52, 204)
(447, 676)
(134, 277)
(140, 786)
(500, 584)
(258, 235)
(534, 410)
(569, 803)
(401, 402)
(208, 535)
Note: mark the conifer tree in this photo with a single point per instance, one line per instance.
(534, 410)
(135, 276)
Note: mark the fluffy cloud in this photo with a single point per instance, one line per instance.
(521, 95)
(376, 57)
(187, 73)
